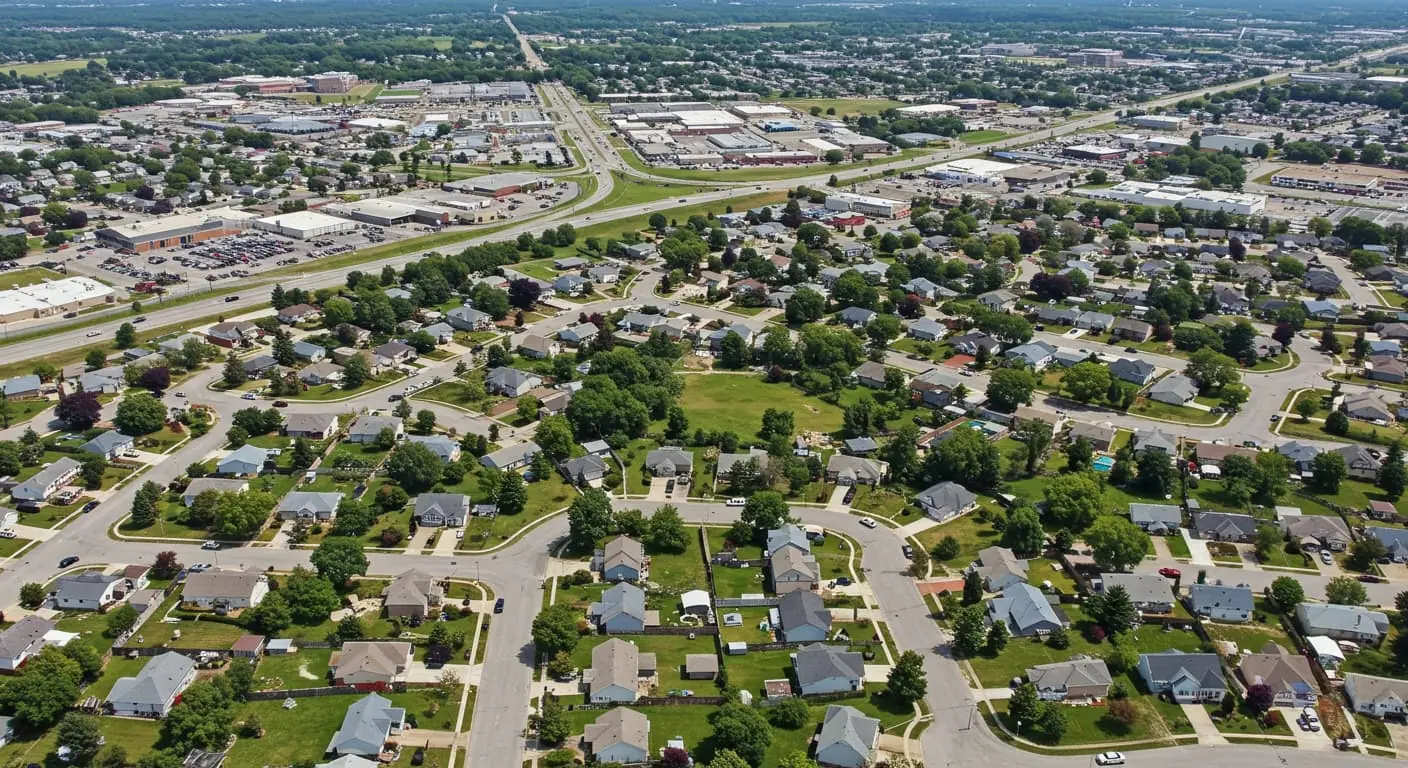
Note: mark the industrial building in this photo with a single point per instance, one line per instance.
(1158, 122)
(870, 206)
(1242, 145)
(500, 91)
(386, 213)
(971, 171)
(52, 298)
(759, 111)
(498, 185)
(1147, 193)
(173, 231)
(333, 82)
(928, 110)
(1095, 57)
(304, 225)
(261, 84)
(1094, 152)
(1320, 179)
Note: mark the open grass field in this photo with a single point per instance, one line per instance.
(843, 107)
(46, 68)
(290, 736)
(20, 278)
(769, 173)
(972, 535)
(137, 737)
(712, 403)
(628, 191)
(681, 213)
(981, 137)
(306, 669)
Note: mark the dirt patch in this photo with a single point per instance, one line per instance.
(304, 673)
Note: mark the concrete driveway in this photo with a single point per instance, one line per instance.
(837, 501)
(1197, 548)
(1305, 739)
(657, 489)
(1202, 724)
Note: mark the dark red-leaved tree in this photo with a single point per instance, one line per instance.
(80, 410)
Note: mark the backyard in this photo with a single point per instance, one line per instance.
(711, 403)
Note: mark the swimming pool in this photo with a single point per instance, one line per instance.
(1103, 463)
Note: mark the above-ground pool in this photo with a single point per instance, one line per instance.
(1103, 463)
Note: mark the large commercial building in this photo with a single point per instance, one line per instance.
(52, 298)
(333, 82)
(868, 205)
(172, 231)
(1345, 181)
(389, 212)
(1095, 57)
(928, 110)
(1094, 152)
(1242, 145)
(1146, 193)
(1158, 122)
(502, 91)
(304, 225)
(261, 84)
(971, 170)
(498, 185)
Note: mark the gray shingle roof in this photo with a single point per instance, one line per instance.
(818, 662)
(803, 608)
(156, 684)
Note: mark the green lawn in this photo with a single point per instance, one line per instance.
(1245, 721)
(9, 547)
(843, 106)
(306, 669)
(972, 535)
(1178, 547)
(290, 736)
(748, 671)
(431, 710)
(1157, 410)
(545, 497)
(629, 190)
(117, 667)
(323, 392)
(981, 137)
(1252, 635)
(884, 502)
(1093, 725)
(20, 411)
(1359, 432)
(49, 68)
(712, 403)
(137, 737)
(194, 634)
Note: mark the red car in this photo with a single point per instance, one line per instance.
(1171, 573)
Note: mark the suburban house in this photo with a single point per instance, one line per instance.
(788, 535)
(299, 313)
(228, 590)
(1395, 541)
(856, 317)
(511, 457)
(244, 461)
(1100, 436)
(155, 690)
(669, 462)
(623, 559)
(946, 500)
(47, 481)
(1214, 454)
(366, 727)
(109, 444)
(434, 510)
(578, 334)
(847, 737)
(855, 470)
(511, 382)
(1174, 389)
(1133, 330)
(212, 485)
(1000, 300)
(1079, 679)
(1000, 569)
(321, 372)
(1361, 464)
(621, 735)
(1189, 678)
(926, 329)
(584, 471)
(1342, 622)
(312, 426)
(444, 448)
(616, 672)
(412, 593)
(469, 319)
(1222, 526)
(1316, 532)
(232, 334)
(1150, 593)
(1287, 674)
(1366, 406)
(1034, 354)
(804, 617)
(1134, 371)
(622, 609)
(1156, 440)
(792, 569)
(1156, 518)
(1091, 320)
(313, 353)
(870, 374)
(539, 347)
(1025, 610)
(970, 343)
(828, 669)
(1376, 696)
(1221, 603)
(370, 665)
(367, 427)
(309, 505)
(86, 591)
(26, 638)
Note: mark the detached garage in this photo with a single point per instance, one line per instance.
(304, 225)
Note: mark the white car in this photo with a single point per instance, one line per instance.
(7, 534)
(736, 501)
(1110, 758)
(209, 544)
(249, 396)
(91, 334)
(198, 567)
(179, 394)
(869, 522)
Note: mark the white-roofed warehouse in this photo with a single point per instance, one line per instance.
(303, 225)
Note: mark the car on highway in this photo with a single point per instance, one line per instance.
(67, 561)
(1110, 758)
(229, 299)
(499, 605)
(91, 334)
(869, 522)
(1369, 578)
(179, 393)
(139, 319)
(1170, 573)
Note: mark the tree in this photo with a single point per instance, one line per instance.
(1011, 387)
(907, 681)
(81, 734)
(415, 467)
(792, 713)
(972, 588)
(512, 496)
(666, 531)
(969, 631)
(1345, 590)
(965, 458)
(1393, 475)
(998, 634)
(87, 658)
(733, 353)
(1286, 593)
(1086, 381)
(947, 548)
(1112, 610)
(166, 565)
(1073, 501)
(1305, 408)
(91, 469)
(727, 758)
(1023, 706)
(310, 597)
(303, 453)
(1156, 473)
(1023, 533)
(588, 519)
(121, 619)
(1337, 423)
(202, 720)
(140, 414)
(425, 420)
(1117, 542)
(155, 379)
(239, 515)
(1051, 721)
(338, 559)
(45, 689)
(805, 306)
(1036, 436)
(126, 336)
(743, 730)
(233, 375)
(1212, 369)
(765, 511)
(355, 372)
(1329, 471)
(80, 410)
(32, 595)
(1260, 697)
(1079, 455)
(1123, 711)
(554, 436)
(1363, 553)
(271, 616)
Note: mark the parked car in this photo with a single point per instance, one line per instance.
(908, 552)
(210, 544)
(1171, 573)
(249, 396)
(869, 522)
(736, 501)
(1326, 557)
(1369, 578)
(499, 605)
(8, 533)
(198, 567)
